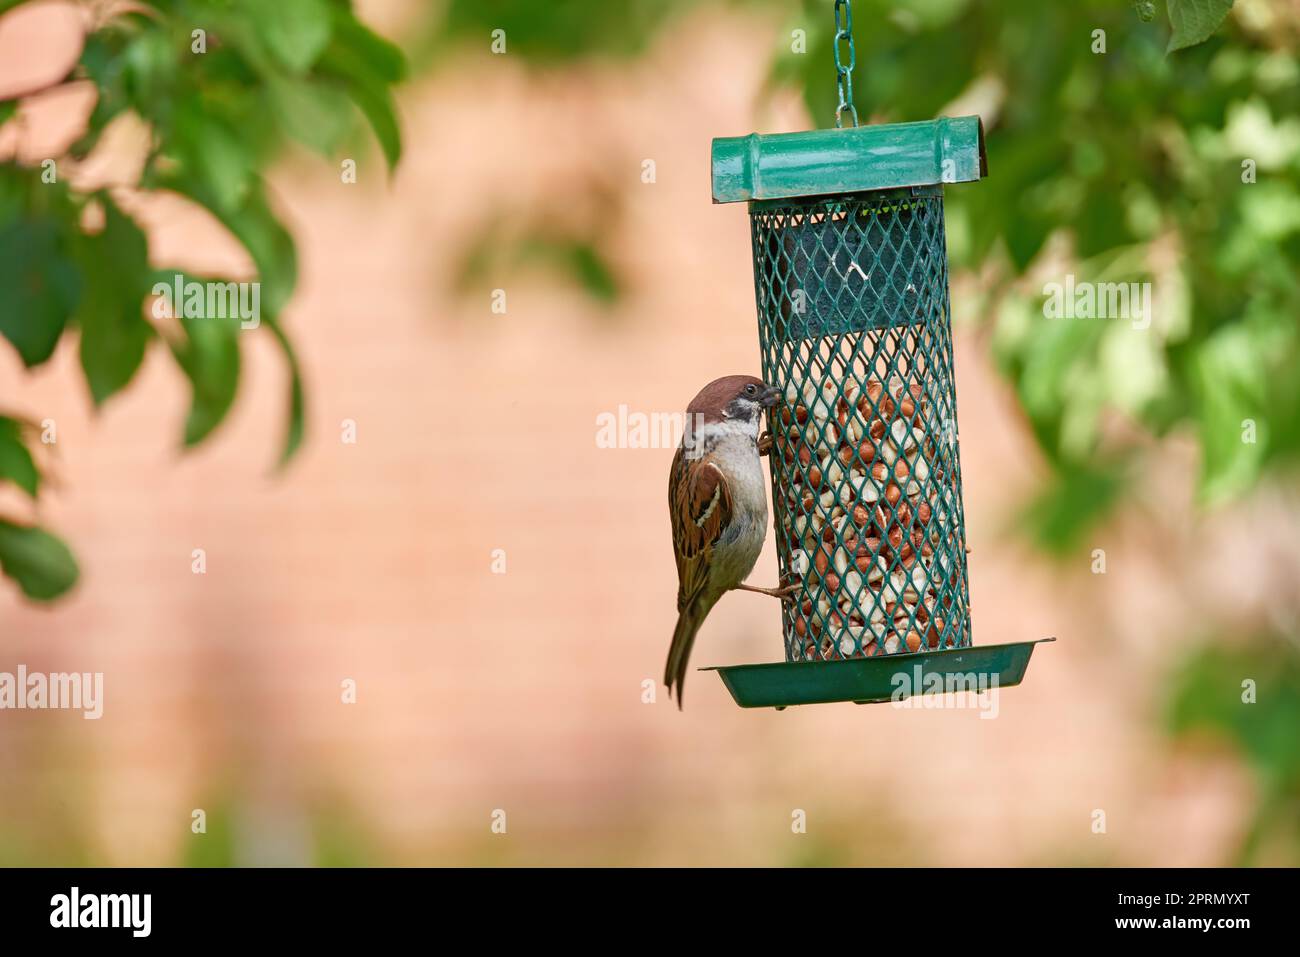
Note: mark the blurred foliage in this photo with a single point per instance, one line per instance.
(50, 833)
(1209, 699)
(218, 109)
(327, 832)
(578, 258)
(1124, 156)
(551, 33)
(331, 836)
(562, 239)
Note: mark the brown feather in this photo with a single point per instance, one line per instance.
(699, 503)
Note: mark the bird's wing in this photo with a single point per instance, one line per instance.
(700, 501)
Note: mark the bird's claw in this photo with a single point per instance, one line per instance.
(765, 443)
(787, 585)
(784, 592)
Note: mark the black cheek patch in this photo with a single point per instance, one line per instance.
(740, 409)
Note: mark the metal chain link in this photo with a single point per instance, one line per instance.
(844, 74)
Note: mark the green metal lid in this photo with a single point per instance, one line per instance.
(851, 160)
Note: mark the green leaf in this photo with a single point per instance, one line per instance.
(213, 154)
(1194, 21)
(270, 245)
(367, 66)
(1205, 693)
(593, 272)
(1100, 225)
(103, 63)
(1229, 377)
(296, 31)
(1070, 505)
(41, 564)
(376, 104)
(1056, 358)
(1025, 236)
(259, 231)
(7, 109)
(149, 66)
(113, 331)
(209, 357)
(40, 286)
(315, 114)
(16, 463)
(383, 60)
(296, 424)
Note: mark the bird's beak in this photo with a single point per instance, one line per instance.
(770, 397)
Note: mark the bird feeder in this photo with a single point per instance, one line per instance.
(851, 284)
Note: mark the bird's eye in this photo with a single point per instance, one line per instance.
(751, 389)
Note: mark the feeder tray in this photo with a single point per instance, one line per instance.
(872, 680)
(851, 285)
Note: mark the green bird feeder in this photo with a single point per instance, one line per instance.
(851, 284)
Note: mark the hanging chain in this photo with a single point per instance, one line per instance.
(844, 74)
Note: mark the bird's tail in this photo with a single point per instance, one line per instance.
(679, 652)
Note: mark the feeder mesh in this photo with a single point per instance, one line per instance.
(854, 326)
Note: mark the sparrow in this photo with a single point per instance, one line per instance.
(718, 506)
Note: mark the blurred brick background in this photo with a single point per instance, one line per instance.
(475, 432)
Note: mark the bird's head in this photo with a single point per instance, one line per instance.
(735, 400)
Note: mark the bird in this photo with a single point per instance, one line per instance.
(718, 506)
